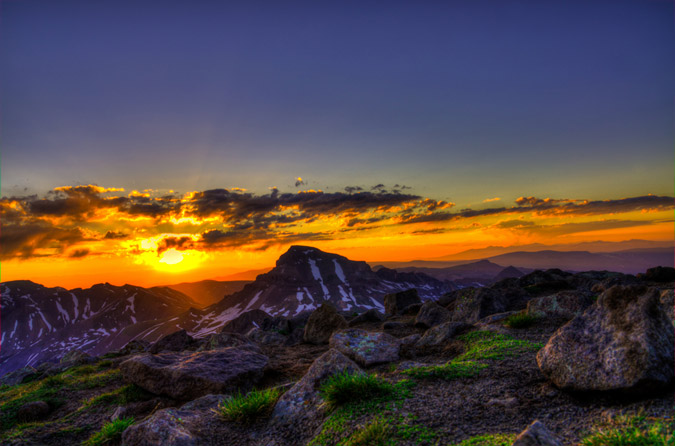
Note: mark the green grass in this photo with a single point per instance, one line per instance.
(635, 430)
(376, 433)
(521, 320)
(130, 393)
(110, 432)
(246, 408)
(489, 440)
(345, 387)
(484, 345)
(451, 370)
(334, 429)
(52, 390)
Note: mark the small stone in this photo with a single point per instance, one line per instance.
(536, 434)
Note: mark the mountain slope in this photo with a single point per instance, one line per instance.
(304, 278)
(40, 323)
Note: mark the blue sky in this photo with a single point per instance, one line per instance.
(462, 101)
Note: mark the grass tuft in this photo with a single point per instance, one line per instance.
(110, 432)
(346, 387)
(246, 408)
(451, 370)
(376, 433)
(489, 440)
(521, 320)
(635, 430)
(483, 345)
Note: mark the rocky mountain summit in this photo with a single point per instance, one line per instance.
(41, 324)
(549, 358)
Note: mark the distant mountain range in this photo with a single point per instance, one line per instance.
(208, 292)
(630, 261)
(40, 324)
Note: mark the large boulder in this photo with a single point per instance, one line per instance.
(536, 434)
(18, 376)
(135, 346)
(477, 303)
(322, 323)
(565, 304)
(174, 342)
(243, 323)
(301, 408)
(398, 303)
(175, 427)
(76, 357)
(168, 427)
(371, 315)
(441, 334)
(366, 348)
(623, 343)
(431, 314)
(188, 375)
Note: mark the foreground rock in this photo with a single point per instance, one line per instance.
(367, 316)
(474, 304)
(398, 303)
(565, 304)
(366, 348)
(166, 427)
(441, 334)
(623, 343)
(223, 340)
(188, 375)
(301, 407)
(536, 434)
(431, 314)
(322, 323)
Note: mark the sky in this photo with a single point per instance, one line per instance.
(150, 142)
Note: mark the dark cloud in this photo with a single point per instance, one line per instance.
(78, 253)
(299, 182)
(25, 240)
(113, 235)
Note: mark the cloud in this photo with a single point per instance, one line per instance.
(299, 182)
(489, 200)
(78, 253)
(72, 219)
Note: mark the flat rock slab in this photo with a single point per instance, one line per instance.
(189, 375)
(622, 343)
(366, 348)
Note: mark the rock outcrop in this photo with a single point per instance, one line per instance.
(322, 323)
(565, 304)
(623, 343)
(431, 314)
(398, 303)
(366, 348)
(188, 375)
(174, 342)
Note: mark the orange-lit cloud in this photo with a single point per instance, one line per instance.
(170, 231)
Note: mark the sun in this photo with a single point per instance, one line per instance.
(171, 257)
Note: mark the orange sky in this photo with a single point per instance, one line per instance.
(81, 235)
